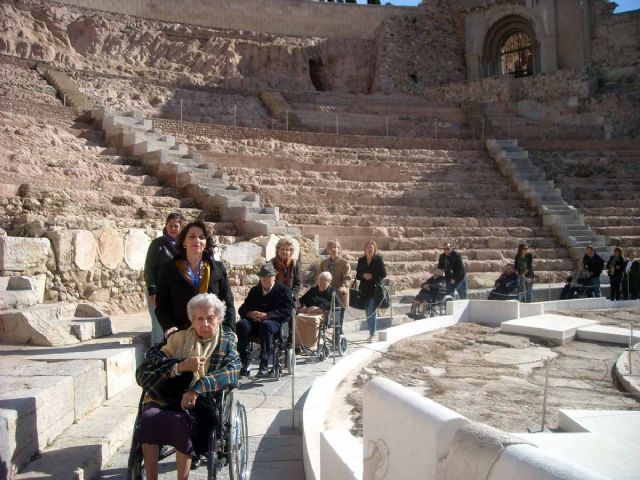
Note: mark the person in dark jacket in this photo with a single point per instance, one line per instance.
(370, 271)
(592, 265)
(615, 270)
(287, 269)
(507, 284)
(631, 280)
(523, 264)
(161, 251)
(318, 298)
(268, 305)
(432, 290)
(450, 262)
(192, 271)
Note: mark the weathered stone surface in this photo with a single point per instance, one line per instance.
(19, 254)
(242, 253)
(269, 242)
(44, 407)
(8, 421)
(46, 325)
(110, 248)
(136, 245)
(85, 249)
(21, 291)
(62, 241)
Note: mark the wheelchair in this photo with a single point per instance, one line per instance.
(438, 306)
(281, 351)
(229, 442)
(330, 324)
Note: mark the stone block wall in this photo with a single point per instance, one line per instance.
(419, 50)
(615, 39)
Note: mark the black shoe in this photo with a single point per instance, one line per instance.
(245, 372)
(196, 462)
(262, 372)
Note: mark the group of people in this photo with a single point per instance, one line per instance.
(624, 274)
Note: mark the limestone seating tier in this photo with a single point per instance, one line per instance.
(565, 220)
(21, 291)
(166, 160)
(53, 325)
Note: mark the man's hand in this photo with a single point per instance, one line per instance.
(257, 316)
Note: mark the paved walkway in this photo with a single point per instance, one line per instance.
(275, 452)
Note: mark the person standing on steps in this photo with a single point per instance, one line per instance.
(161, 251)
(450, 262)
(340, 271)
(370, 271)
(592, 266)
(192, 271)
(523, 264)
(615, 270)
(287, 269)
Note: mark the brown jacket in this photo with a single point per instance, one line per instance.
(341, 277)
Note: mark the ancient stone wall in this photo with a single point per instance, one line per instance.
(287, 17)
(419, 50)
(616, 40)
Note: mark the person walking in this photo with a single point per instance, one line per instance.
(370, 271)
(523, 264)
(450, 262)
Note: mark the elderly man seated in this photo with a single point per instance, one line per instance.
(506, 286)
(431, 291)
(267, 306)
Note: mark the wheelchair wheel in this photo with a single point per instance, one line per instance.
(212, 457)
(135, 470)
(342, 346)
(238, 444)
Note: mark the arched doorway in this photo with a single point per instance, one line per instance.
(510, 48)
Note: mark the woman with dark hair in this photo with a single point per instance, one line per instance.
(161, 251)
(523, 264)
(631, 279)
(370, 271)
(193, 271)
(615, 270)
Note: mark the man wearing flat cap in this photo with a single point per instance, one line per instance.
(267, 306)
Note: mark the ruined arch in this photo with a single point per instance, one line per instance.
(510, 47)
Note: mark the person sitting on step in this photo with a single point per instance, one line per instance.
(431, 291)
(507, 285)
(267, 307)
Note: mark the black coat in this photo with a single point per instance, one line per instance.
(615, 266)
(594, 265)
(295, 280)
(160, 252)
(452, 266)
(174, 292)
(376, 268)
(277, 304)
(315, 298)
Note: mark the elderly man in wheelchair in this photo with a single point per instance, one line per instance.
(187, 402)
(264, 314)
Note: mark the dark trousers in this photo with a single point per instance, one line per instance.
(593, 287)
(264, 330)
(630, 287)
(616, 283)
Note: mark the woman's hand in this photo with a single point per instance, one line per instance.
(170, 331)
(367, 276)
(188, 399)
(191, 364)
(152, 300)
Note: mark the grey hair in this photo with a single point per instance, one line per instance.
(333, 243)
(284, 241)
(326, 276)
(206, 300)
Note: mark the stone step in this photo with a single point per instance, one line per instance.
(53, 324)
(84, 448)
(432, 255)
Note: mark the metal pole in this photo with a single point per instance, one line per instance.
(630, 344)
(235, 115)
(333, 314)
(337, 123)
(549, 290)
(544, 400)
(293, 373)
(286, 120)
(180, 110)
(386, 124)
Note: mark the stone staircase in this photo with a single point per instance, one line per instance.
(566, 222)
(190, 173)
(67, 90)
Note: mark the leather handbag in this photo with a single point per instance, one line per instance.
(381, 296)
(357, 298)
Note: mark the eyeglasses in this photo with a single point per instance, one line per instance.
(447, 249)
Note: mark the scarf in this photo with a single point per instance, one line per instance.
(170, 241)
(283, 271)
(204, 277)
(194, 346)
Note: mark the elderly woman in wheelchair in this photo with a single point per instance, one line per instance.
(182, 379)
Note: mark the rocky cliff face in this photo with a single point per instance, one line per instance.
(113, 44)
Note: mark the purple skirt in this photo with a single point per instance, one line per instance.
(166, 427)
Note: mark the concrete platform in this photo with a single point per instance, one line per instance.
(556, 328)
(606, 441)
(608, 334)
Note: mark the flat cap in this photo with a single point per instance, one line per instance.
(267, 270)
